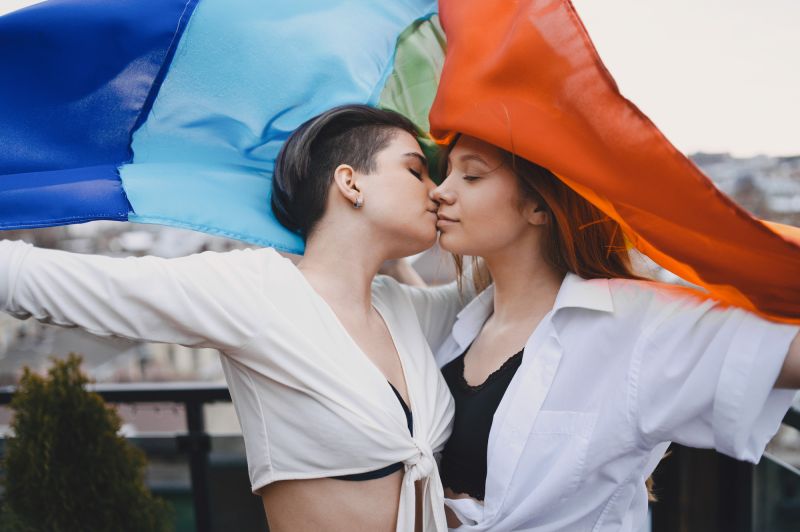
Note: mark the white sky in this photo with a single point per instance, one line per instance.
(714, 75)
(7, 6)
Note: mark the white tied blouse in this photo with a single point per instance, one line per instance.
(310, 402)
(613, 373)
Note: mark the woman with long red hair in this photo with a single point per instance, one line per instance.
(571, 373)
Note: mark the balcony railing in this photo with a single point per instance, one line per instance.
(195, 443)
(698, 490)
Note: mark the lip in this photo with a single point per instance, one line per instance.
(442, 223)
(446, 219)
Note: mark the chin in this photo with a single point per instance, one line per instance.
(451, 244)
(427, 237)
(422, 244)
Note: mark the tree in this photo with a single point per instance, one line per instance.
(66, 467)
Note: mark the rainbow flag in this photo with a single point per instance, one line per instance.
(525, 76)
(173, 111)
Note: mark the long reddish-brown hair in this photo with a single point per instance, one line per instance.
(579, 237)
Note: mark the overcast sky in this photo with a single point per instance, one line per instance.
(714, 75)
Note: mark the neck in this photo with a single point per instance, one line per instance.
(524, 283)
(341, 272)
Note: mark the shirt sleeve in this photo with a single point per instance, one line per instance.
(204, 300)
(436, 306)
(703, 376)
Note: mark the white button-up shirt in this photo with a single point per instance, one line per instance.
(612, 374)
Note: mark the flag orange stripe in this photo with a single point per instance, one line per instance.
(525, 76)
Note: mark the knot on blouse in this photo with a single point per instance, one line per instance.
(422, 464)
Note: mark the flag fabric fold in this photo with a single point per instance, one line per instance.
(172, 111)
(525, 76)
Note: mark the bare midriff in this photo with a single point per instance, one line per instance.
(333, 505)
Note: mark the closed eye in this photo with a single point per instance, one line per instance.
(471, 177)
(416, 174)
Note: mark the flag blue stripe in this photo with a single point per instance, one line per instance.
(245, 75)
(59, 197)
(75, 77)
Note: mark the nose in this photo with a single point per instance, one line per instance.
(441, 195)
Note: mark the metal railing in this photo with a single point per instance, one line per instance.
(698, 489)
(196, 442)
(702, 490)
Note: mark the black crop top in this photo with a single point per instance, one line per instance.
(388, 470)
(463, 465)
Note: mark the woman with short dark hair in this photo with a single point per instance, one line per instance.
(337, 393)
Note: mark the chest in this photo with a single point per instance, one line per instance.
(373, 338)
(494, 345)
(323, 342)
(557, 438)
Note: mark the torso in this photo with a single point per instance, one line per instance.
(494, 346)
(369, 332)
(312, 397)
(609, 378)
(333, 505)
(374, 339)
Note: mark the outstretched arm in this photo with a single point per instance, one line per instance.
(709, 376)
(208, 299)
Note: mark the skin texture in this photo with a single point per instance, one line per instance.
(789, 376)
(397, 218)
(481, 214)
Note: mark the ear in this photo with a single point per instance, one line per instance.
(536, 213)
(344, 177)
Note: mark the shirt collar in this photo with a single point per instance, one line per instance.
(472, 317)
(592, 294)
(575, 292)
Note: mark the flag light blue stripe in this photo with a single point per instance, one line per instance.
(245, 74)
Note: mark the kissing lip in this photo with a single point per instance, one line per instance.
(443, 218)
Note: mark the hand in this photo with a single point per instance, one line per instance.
(402, 271)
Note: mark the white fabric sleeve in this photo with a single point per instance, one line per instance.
(206, 300)
(436, 306)
(703, 376)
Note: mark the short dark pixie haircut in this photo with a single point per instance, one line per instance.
(349, 134)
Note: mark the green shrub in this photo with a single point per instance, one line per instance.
(66, 469)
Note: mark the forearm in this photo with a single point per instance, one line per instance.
(789, 376)
(402, 271)
(193, 300)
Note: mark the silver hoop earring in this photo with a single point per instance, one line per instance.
(359, 202)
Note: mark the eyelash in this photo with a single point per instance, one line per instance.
(416, 174)
(471, 177)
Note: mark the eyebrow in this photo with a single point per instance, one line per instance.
(416, 155)
(473, 157)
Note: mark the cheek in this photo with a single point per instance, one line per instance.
(489, 219)
(402, 206)
(491, 208)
